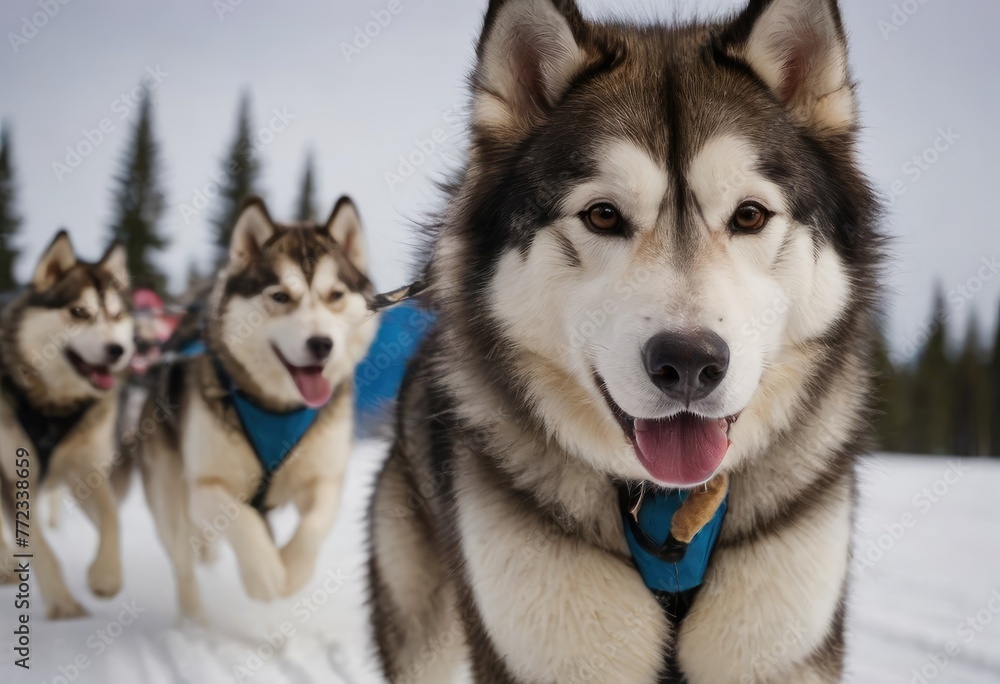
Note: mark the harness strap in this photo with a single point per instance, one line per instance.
(666, 566)
(45, 431)
(393, 297)
(272, 435)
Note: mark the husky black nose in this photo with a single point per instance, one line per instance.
(686, 366)
(114, 351)
(320, 346)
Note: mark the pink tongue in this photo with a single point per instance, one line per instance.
(684, 450)
(314, 388)
(102, 379)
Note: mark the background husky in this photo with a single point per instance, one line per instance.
(659, 230)
(65, 345)
(287, 321)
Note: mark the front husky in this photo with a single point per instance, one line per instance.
(286, 323)
(65, 345)
(659, 265)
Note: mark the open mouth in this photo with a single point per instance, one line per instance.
(98, 376)
(681, 450)
(309, 381)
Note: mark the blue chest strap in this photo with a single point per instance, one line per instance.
(665, 569)
(272, 435)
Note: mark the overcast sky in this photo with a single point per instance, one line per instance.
(927, 78)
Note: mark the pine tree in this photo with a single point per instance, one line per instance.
(931, 425)
(240, 171)
(305, 208)
(995, 398)
(971, 397)
(9, 220)
(139, 203)
(891, 400)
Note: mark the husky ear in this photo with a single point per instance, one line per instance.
(253, 228)
(344, 226)
(115, 262)
(799, 49)
(528, 54)
(55, 262)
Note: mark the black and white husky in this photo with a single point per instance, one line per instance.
(659, 230)
(65, 346)
(259, 412)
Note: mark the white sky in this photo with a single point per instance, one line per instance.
(938, 71)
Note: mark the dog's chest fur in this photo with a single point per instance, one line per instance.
(520, 529)
(88, 447)
(215, 447)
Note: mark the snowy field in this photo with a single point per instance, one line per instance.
(925, 607)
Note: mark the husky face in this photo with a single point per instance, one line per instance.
(290, 310)
(665, 219)
(69, 337)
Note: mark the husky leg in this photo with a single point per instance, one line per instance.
(105, 574)
(261, 568)
(413, 604)
(7, 564)
(171, 526)
(182, 557)
(318, 510)
(55, 506)
(59, 602)
(167, 496)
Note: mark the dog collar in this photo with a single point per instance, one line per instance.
(666, 566)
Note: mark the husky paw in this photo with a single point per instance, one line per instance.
(189, 600)
(105, 577)
(7, 570)
(299, 566)
(65, 608)
(264, 577)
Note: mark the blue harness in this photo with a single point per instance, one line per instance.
(272, 435)
(667, 569)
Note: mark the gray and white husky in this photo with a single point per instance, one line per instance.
(65, 345)
(659, 230)
(285, 325)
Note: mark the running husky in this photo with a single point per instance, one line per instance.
(659, 230)
(65, 345)
(284, 327)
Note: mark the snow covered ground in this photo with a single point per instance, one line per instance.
(925, 607)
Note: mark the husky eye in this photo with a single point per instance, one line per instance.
(750, 217)
(280, 297)
(79, 312)
(336, 296)
(603, 218)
